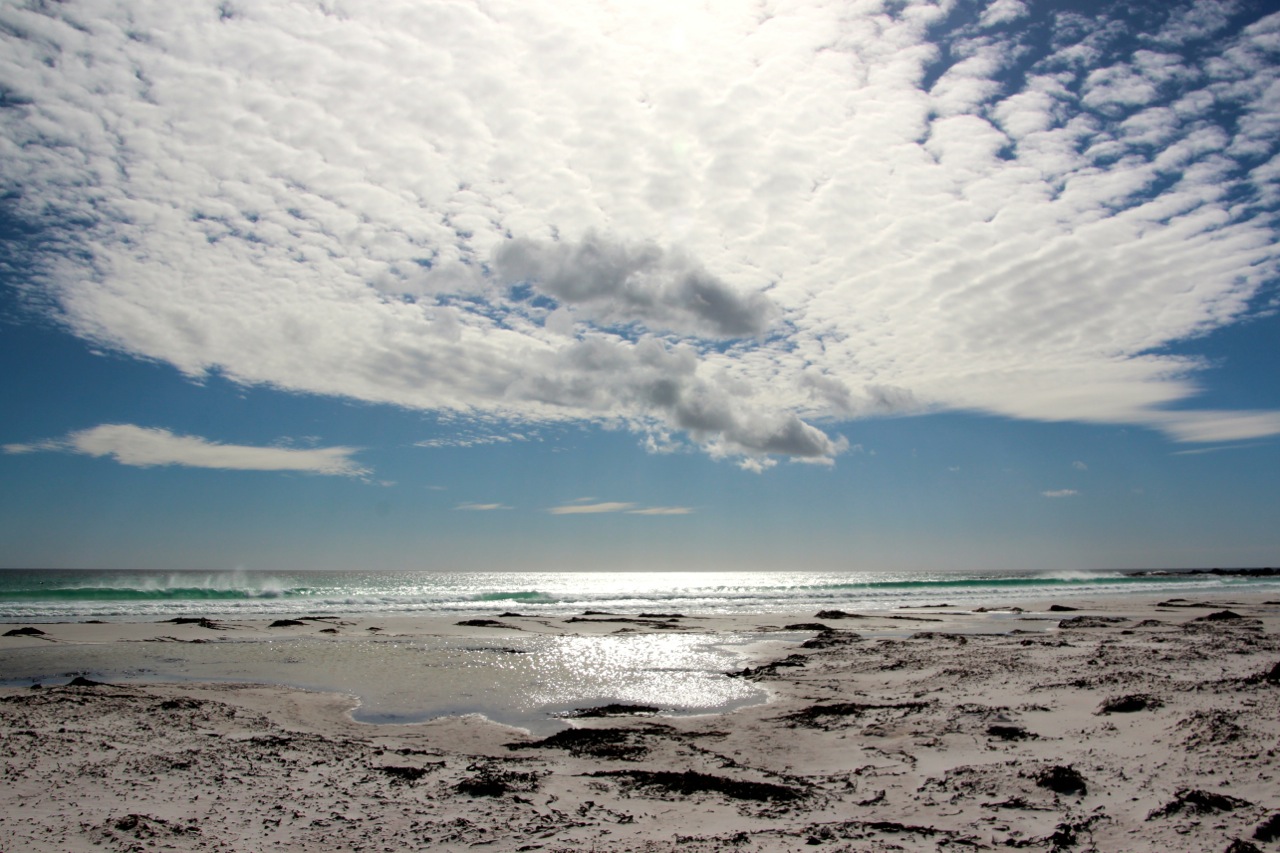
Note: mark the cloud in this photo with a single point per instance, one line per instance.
(474, 507)
(821, 215)
(1079, 466)
(144, 447)
(663, 510)
(1003, 12)
(1201, 450)
(472, 439)
(587, 506)
(613, 283)
(1060, 493)
(590, 509)
(1194, 426)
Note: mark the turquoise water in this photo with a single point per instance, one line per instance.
(52, 595)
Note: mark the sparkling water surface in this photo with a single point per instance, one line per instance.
(52, 595)
(522, 679)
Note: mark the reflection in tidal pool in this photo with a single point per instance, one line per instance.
(521, 681)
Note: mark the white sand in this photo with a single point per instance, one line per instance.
(894, 734)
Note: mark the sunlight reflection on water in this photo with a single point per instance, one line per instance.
(522, 681)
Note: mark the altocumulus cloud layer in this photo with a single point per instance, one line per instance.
(735, 225)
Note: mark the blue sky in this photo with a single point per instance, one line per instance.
(566, 285)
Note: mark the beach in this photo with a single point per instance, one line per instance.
(1128, 723)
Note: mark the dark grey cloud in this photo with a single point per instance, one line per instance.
(614, 282)
(655, 383)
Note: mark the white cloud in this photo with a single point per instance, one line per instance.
(144, 447)
(1220, 426)
(1003, 12)
(1079, 466)
(474, 507)
(590, 508)
(551, 212)
(1218, 449)
(1060, 493)
(473, 439)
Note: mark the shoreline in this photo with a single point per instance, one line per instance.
(1116, 724)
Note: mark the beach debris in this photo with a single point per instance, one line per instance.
(620, 744)
(286, 623)
(1239, 846)
(1129, 704)
(1062, 780)
(81, 681)
(692, 782)
(180, 703)
(1205, 728)
(806, 626)
(895, 828)
(613, 709)
(1091, 621)
(1195, 801)
(329, 631)
(651, 621)
(149, 826)
(1273, 677)
(405, 775)
(663, 616)
(755, 673)
(1218, 616)
(202, 621)
(511, 615)
(837, 614)
(830, 639)
(1061, 608)
(492, 781)
(25, 632)
(485, 623)
(1269, 829)
(1067, 834)
(821, 716)
(1007, 732)
(816, 834)
(1017, 803)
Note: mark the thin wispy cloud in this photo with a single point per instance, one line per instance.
(581, 508)
(1060, 493)
(822, 214)
(144, 447)
(590, 508)
(472, 440)
(1218, 449)
(477, 507)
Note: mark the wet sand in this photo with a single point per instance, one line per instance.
(1127, 724)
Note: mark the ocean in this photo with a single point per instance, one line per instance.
(523, 679)
(47, 595)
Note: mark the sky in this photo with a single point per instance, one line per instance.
(631, 285)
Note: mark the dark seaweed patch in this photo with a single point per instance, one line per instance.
(1193, 801)
(819, 716)
(1062, 780)
(691, 782)
(620, 744)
